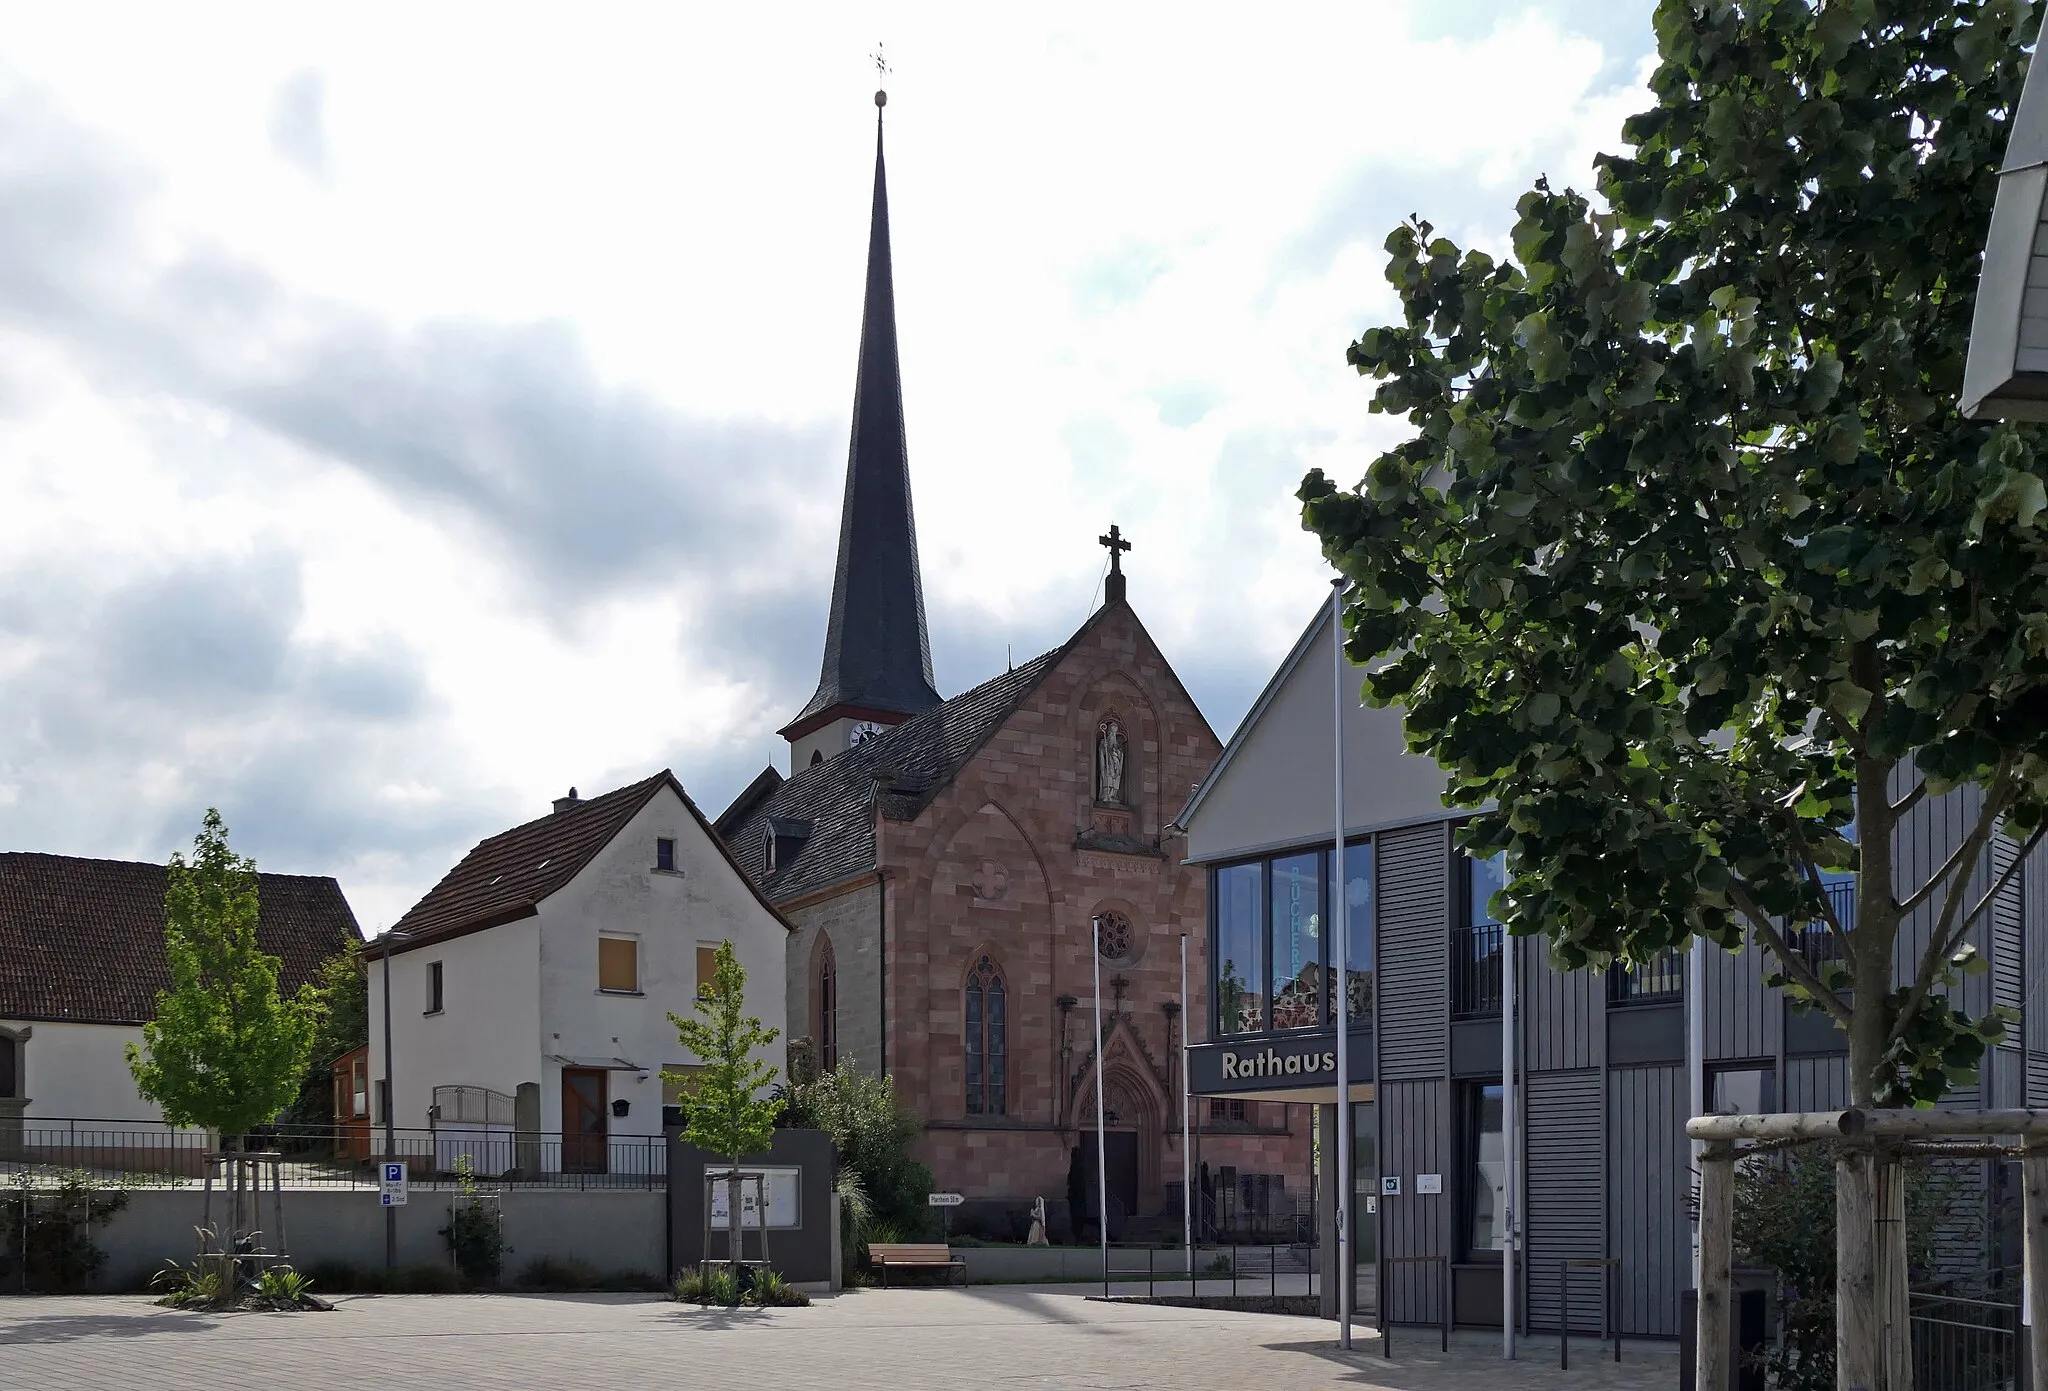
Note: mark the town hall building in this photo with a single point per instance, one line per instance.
(944, 861)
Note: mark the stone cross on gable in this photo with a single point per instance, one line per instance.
(1113, 588)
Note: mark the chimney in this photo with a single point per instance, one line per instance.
(562, 804)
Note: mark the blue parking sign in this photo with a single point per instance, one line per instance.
(394, 1173)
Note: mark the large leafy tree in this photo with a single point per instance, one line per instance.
(344, 985)
(728, 1101)
(226, 1051)
(1690, 564)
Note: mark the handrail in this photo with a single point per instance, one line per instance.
(1444, 1315)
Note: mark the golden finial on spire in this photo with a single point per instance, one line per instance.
(881, 74)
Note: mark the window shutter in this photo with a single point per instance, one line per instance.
(618, 963)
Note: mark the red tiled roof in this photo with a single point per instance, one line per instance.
(83, 940)
(507, 875)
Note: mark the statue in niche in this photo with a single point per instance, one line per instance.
(1109, 764)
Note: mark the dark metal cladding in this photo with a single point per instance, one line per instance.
(877, 652)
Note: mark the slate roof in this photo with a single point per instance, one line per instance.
(878, 653)
(505, 877)
(82, 941)
(914, 762)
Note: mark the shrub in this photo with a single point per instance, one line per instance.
(283, 1287)
(772, 1291)
(476, 1230)
(708, 1284)
(49, 1217)
(553, 1273)
(193, 1285)
(871, 1136)
(426, 1279)
(1785, 1223)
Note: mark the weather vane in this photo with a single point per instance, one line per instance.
(881, 74)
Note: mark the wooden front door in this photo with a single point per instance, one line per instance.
(585, 1149)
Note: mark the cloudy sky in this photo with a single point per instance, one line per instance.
(407, 412)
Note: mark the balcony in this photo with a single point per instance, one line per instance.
(1657, 981)
(1813, 940)
(1476, 971)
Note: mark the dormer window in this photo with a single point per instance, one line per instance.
(665, 855)
(786, 837)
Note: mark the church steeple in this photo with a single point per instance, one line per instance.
(878, 658)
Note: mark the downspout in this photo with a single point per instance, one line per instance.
(882, 966)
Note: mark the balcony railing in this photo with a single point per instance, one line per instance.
(1660, 979)
(1814, 941)
(1476, 970)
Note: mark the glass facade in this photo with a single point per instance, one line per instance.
(1273, 955)
(1240, 1003)
(1297, 952)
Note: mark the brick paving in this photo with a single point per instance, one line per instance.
(1007, 1336)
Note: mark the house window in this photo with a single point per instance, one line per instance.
(618, 965)
(707, 969)
(828, 1012)
(1240, 1003)
(10, 1068)
(1746, 1089)
(359, 1088)
(1297, 951)
(665, 854)
(1485, 1154)
(1232, 1111)
(433, 987)
(986, 1050)
(1476, 941)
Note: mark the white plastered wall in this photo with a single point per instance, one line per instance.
(80, 1072)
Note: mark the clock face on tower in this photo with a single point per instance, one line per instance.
(862, 731)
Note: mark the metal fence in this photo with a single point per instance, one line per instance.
(318, 1157)
(1964, 1344)
(1476, 970)
(1660, 979)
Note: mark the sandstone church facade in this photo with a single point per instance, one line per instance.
(943, 862)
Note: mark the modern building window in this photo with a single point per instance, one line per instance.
(707, 968)
(828, 1011)
(1746, 1089)
(664, 853)
(1358, 933)
(1240, 1002)
(1476, 940)
(618, 965)
(986, 1032)
(433, 987)
(1297, 942)
(1657, 981)
(1485, 1157)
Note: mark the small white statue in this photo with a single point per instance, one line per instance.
(1109, 764)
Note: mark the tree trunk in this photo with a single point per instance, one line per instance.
(733, 1199)
(1858, 1330)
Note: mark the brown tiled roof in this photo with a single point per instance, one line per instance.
(83, 940)
(507, 875)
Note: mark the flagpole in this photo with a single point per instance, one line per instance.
(1511, 1139)
(1101, 1146)
(1187, 1162)
(1346, 1277)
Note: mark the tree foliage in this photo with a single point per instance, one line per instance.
(344, 986)
(225, 1052)
(1690, 562)
(729, 1108)
(872, 1134)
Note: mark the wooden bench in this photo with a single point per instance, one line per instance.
(912, 1256)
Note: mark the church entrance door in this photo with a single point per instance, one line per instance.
(1120, 1158)
(585, 1147)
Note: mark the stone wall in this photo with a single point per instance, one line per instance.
(852, 922)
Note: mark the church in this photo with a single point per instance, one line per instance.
(944, 861)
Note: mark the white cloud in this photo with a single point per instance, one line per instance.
(406, 416)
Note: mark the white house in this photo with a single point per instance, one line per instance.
(81, 962)
(529, 991)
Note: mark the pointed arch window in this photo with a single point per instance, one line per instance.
(828, 1010)
(987, 1050)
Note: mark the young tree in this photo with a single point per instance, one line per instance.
(1690, 564)
(225, 1051)
(727, 1106)
(344, 985)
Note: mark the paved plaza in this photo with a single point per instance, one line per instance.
(1008, 1336)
